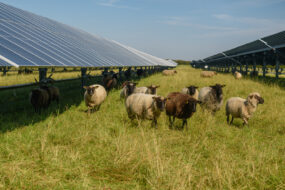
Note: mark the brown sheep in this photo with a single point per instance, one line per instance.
(179, 105)
(39, 99)
(53, 92)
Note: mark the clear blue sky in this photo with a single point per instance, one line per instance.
(176, 29)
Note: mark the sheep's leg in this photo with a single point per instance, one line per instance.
(98, 107)
(88, 111)
(232, 120)
(184, 122)
(245, 122)
(154, 122)
(170, 122)
(228, 119)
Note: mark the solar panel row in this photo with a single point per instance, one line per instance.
(276, 40)
(30, 40)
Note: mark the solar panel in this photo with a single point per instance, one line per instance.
(27, 39)
(276, 41)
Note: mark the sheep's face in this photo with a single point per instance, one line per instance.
(255, 98)
(191, 104)
(219, 90)
(160, 102)
(152, 89)
(192, 90)
(130, 87)
(90, 89)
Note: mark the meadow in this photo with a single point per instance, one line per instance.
(63, 148)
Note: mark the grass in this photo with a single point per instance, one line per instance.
(65, 149)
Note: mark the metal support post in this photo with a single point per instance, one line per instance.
(42, 74)
(277, 67)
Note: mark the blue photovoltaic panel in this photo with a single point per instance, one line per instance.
(3, 63)
(30, 40)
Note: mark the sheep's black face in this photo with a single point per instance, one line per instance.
(260, 99)
(192, 90)
(160, 102)
(152, 89)
(218, 89)
(90, 91)
(130, 88)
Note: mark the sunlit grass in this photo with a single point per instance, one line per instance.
(66, 149)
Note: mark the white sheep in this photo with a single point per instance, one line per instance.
(168, 72)
(211, 97)
(243, 108)
(237, 75)
(145, 106)
(192, 91)
(94, 96)
(208, 74)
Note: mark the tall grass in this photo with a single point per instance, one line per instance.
(65, 149)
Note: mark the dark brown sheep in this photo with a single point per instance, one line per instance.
(53, 92)
(39, 99)
(110, 81)
(179, 105)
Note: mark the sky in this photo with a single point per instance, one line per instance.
(174, 29)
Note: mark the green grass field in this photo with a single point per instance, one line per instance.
(63, 148)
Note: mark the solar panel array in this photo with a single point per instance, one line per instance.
(27, 39)
(276, 41)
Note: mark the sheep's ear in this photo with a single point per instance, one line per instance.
(157, 86)
(223, 85)
(199, 102)
(196, 86)
(95, 87)
(85, 87)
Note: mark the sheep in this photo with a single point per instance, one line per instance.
(128, 89)
(180, 105)
(237, 75)
(110, 82)
(243, 108)
(39, 99)
(94, 96)
(146, 90)
(53, 92)
(211, 97)
(208, 74)
(192, 91)
(168, 72)
(145, 106)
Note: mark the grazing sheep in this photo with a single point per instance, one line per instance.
(39, 99)
(243, 108)
(192, 91)
(53, 92)
(111, 82)
(94, 96)
(128, 89)
(168, 72)
(211, 97)
(146, 90)
(237, 75)
(208, 74)
(180, 105)
(145, 106)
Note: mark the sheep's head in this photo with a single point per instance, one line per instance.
(90, 89)
(175, 71)
(255, 98)
(191, 104)
(192, 90)
(218, 88)
(152, 89)
(130, 87)
(160, 102)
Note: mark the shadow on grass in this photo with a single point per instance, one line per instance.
(267, 80)
(16, 110)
